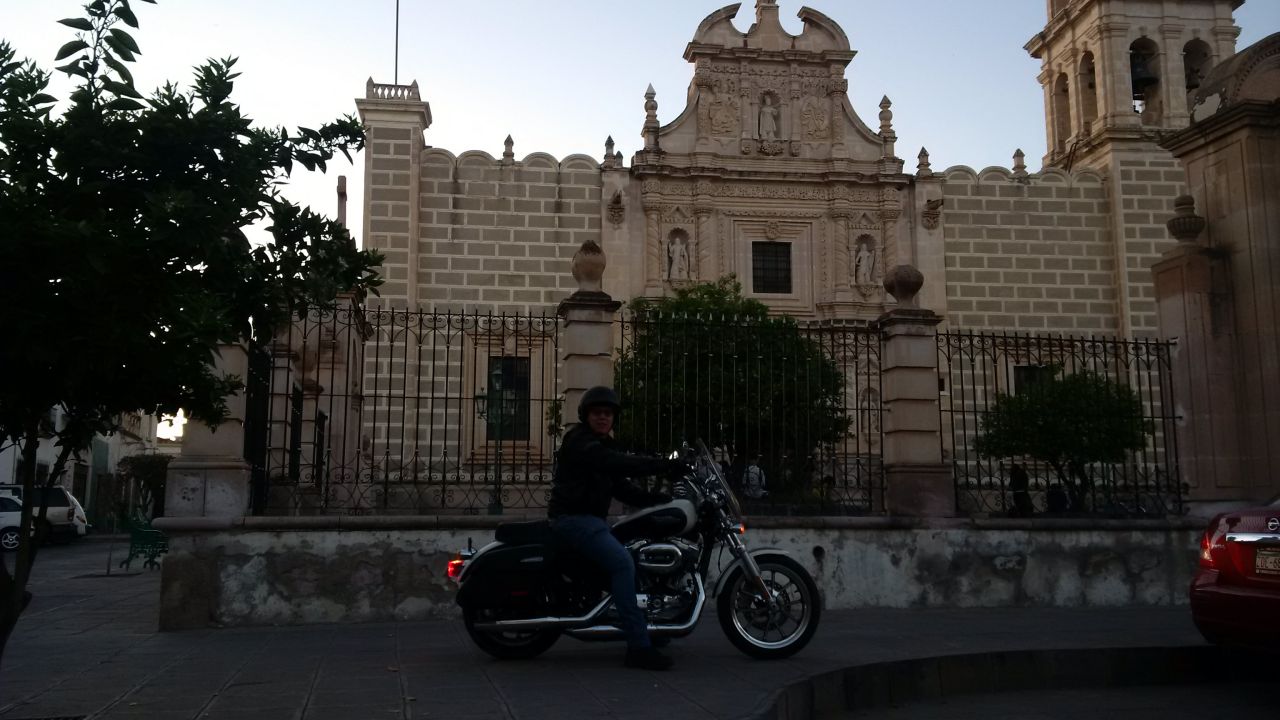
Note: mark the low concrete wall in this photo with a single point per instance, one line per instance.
(257, 571)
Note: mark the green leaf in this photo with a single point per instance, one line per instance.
(73, 68)
(125, 103)
(126, 39)
(124, 13)
(120, 49)
(42, 98)
(70, 49)
(119, 67)
(78, 23)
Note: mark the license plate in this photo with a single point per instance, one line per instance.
(1267, 562)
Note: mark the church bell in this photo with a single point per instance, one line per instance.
(1141, 75)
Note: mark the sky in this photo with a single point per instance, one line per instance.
(561, 75)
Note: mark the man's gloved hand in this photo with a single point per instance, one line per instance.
(676, 469)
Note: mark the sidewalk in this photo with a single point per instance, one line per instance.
(88, 647)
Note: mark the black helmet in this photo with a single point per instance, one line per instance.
(598, 395)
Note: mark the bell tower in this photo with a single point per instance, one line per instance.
(1115, 72)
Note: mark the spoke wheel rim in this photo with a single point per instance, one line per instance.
(786, 620)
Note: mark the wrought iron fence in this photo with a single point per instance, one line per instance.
(792, 410)
(975, 368)
(356, 410)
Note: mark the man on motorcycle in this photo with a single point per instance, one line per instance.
(590, 472)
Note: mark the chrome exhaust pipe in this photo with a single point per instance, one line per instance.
(522, 623)
(603, 632)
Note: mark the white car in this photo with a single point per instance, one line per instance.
(10, 518)
(64, 519)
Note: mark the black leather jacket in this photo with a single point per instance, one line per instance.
(590, 472)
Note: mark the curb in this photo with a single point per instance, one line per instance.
(878, 685)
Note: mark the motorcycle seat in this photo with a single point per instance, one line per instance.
(525, 533)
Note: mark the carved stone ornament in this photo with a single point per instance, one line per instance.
(588, 267)
(772, 230)
(904, 283)
(616, 211)
(772, 147)
(747, 146)
(932, 213)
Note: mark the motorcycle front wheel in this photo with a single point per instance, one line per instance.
(507, 644)
(770, 630)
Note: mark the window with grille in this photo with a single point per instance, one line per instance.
(507, 416)
(1026, 377)
(771, 267)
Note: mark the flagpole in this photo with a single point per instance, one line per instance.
(396, 77)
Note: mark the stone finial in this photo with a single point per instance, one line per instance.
(1019, 164)
(610, 160)
(887, 135)
(508, 154)
(903, 283)
(923, 168)
(886, 115)
(650, 119)
(588, 267)
(1185, 225)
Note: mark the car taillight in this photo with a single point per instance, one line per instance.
(1212, 543)
(455, 567)
(71, 514)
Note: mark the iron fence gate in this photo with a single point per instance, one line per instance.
(975, 368)
(357, 410)
(792, 410)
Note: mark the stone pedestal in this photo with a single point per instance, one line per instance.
(210, 478)
(918, 483)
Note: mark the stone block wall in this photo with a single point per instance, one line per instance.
(1146, 184)
(499, 234)
(1030, 254)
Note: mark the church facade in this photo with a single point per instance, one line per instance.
(769, 173)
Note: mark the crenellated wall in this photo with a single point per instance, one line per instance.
(498, 233)
(1030, 252)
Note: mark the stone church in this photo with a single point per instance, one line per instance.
(770, 174)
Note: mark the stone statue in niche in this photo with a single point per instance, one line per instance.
(864, 262)
(769, 116)
(678, 256)
(814, 119)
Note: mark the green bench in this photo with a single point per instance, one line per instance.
(145, 542)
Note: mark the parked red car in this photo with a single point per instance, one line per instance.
(1235, 595)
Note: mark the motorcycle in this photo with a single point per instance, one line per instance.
(520, 593)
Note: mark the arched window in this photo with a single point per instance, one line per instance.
(1088, 90)
(1197, 58)
(1144, 75)
(1061, 112)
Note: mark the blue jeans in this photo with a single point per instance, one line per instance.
(590, 536)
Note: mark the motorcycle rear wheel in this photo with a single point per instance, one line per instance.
(756, 629)
(507, 644)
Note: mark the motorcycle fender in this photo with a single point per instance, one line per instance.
(755, 552)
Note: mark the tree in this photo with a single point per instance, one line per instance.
(123, 260)
(1068, 422)
(708, 363)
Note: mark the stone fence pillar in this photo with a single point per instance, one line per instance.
(210, 478)
(918, 482)
(586, 345)
(1192, 287)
